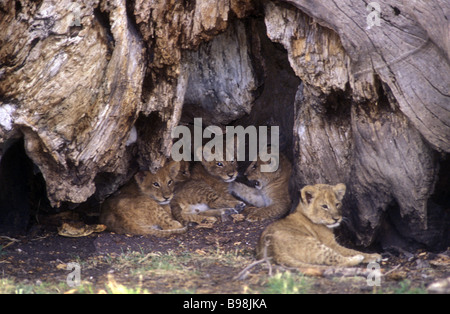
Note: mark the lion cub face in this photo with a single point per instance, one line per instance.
(160, 185)
(225, 170)
(260, 179)
(322, 203)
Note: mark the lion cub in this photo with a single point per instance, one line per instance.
(185, 173)
(206, 195)
(305, 237)
(142, 206)
(270, 196)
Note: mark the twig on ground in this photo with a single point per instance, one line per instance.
(244, 273)
(392, 270)
(11, 241)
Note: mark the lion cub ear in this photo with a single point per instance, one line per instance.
(308, 193)
(339, 189)
(174, 168)
(140, 176)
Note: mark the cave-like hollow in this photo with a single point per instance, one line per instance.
(241, 77)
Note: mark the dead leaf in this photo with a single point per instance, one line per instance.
(237, 217)
(441, 260)
(200, 252)
(78, 229)
(61, 266)
(397, 275)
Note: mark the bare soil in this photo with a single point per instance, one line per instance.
(203, 260)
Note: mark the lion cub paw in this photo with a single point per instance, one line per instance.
(355, 260)
(240, 206)
(368, 258)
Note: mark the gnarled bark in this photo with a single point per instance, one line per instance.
(358, 118)
(95, 89)
(409, 51)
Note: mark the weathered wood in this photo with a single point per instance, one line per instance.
(357, 118)
(372, 109)
(75, 77)
(392, 163)
(225, 56)
(323, 137)
(74, 89)
(409, 51)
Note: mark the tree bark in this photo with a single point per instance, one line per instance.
(369, 104)
(409, 51)
(95, 89)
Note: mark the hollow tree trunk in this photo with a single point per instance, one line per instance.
(376, 104)
(95, 88)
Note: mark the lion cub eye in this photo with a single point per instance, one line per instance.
(156, 184)
(219, 164)
(325, 207)
(170, 182)
(254, 166)
(338, 204)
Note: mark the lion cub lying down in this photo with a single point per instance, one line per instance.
(270, 196)
(305, 238)
(206, 197)
(142, 206)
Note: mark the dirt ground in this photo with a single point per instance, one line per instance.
(203, 260)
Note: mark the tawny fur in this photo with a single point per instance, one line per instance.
(142, 206)
(185, 173)
(305, 238)
(270, 198)
(205, 196)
